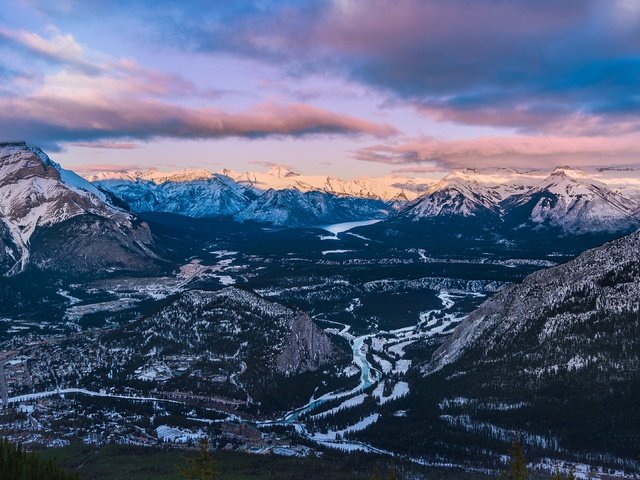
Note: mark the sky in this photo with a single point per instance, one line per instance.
(345, 88)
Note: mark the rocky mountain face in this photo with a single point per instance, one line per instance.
(194, 193)
(567, 200)
(267, 335)
(572, 201)
(563, 344)
(292, 208)
(52, 219)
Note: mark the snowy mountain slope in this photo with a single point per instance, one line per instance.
(198, 193)
(460, 194)
(566, 199)
(574, 202)
(624, 180)
(36, 194)
(293, 208)
(195, 193)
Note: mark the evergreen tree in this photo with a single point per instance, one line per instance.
(18, 464)
(518, 464)
(200, 467)
(556, 474)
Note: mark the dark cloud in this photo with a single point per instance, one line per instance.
(518, 63)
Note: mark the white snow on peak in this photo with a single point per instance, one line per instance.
(576, 202)
(153, 175)
(69, 178)
(387, 188)
(568, 198)
(35, 191)
(281, 171)
(591, 198)
(469, 192)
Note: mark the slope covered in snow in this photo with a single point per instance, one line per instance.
(37, 196)
(388, 188)
(567, 199)
(199, 193)
(293, 208)
(467, 193)
(573, 201)
(194, 193)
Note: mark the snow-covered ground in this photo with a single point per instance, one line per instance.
(400, 389)
(174, 435)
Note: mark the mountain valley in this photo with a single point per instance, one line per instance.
(430, 329)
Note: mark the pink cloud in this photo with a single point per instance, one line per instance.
(94, 118)
(76, 60)
(511, 151)
(59, 47)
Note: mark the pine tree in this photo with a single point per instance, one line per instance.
(556, 474)
(517, 464)
(18, 464)
(202, 466)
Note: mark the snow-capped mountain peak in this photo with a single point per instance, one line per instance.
(35, 192)
(281, 171)
(458, 194)
(153, 175)
(566, 171)
(575, 202)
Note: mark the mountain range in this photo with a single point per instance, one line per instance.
(566, 199)
(552, 358)
(45, 206)
(199, 193)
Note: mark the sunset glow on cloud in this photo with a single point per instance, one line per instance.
(366, 86)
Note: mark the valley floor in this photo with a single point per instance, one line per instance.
(390, 305)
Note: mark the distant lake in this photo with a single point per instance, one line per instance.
(337, 228)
